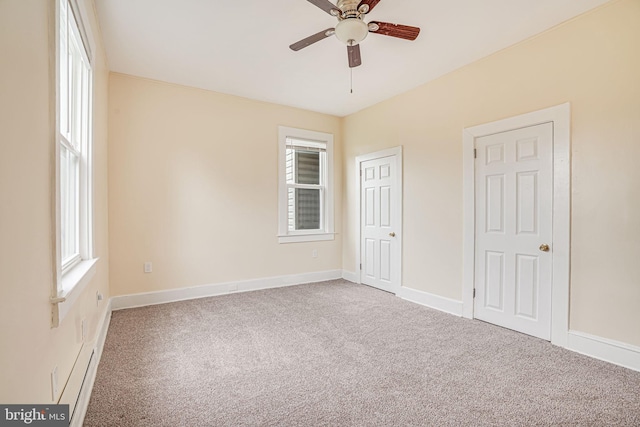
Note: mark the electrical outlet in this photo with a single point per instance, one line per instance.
(148, 267)
(314, 253)
(54, 384)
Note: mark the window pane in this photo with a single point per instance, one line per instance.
(307, 167)
(69, 207)
(303, 209)
(307, 209)
(290, 165)
(63, 62)
(77, 92)
(291, 209)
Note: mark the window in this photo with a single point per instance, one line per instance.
(305, 184)
(73, 148)
(305, 207)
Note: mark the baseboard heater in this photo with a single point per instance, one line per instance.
(78, 388)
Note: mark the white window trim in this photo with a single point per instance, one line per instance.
(284, 235)
(70, 282)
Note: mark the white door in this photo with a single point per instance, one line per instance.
(380, 219)
(514, 196)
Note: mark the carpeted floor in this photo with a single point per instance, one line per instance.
(340, 354)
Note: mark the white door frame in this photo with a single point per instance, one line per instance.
(560, 116)
(397, 152)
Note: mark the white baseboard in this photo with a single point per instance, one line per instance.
(437, 302)
(87, 386)
(350, 276)
(173, 295)
(611, 351)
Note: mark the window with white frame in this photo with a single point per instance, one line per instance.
(73, 139)
(305, 208)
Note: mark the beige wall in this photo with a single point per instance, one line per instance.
(193, 188)
(593, 62)
(192, 181)
(30, 348)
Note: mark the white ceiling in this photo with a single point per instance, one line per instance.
(242, 47)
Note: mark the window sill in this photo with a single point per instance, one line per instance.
(74, 282)
(311, 237)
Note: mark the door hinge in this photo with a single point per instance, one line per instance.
(474, 292)
(360, 266)
(360, 172)
(475, 153)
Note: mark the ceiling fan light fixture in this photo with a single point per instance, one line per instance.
(351, 31)
(351, 28)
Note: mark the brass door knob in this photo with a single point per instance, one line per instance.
(392, 234)
(544, 247)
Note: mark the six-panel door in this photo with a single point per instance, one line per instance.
(379, 210)
(514, 196)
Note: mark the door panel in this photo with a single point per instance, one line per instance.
(385, 206)
(495, 204)
(369, 258)
(514, 194)
(385, 260)
(370, 201)
(527, 203)
(494, 282)
(380, 219)
(527, 286)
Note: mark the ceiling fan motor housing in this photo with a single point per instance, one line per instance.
(349, 8)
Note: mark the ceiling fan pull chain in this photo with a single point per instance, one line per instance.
(351, 72)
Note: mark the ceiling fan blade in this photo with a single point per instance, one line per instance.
(327, 6)
(354, 56)
(312, 39)
(370, 3)
(394, 30)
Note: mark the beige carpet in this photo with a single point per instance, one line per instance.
(340, 354)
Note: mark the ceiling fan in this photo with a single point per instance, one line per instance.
(351, 28)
